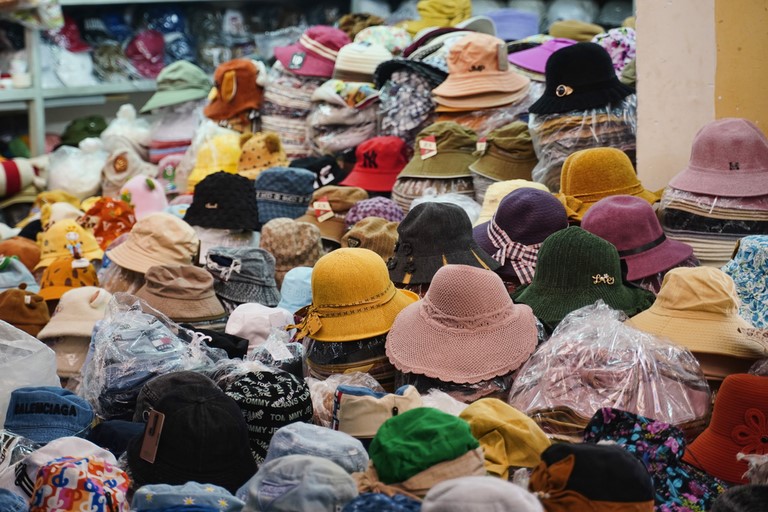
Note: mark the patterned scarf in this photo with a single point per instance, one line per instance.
(522, 258)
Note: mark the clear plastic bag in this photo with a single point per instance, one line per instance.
(278, 352)
(127, 124)
(443, 402)
(465, 202)
(323, 391)
(77, 170)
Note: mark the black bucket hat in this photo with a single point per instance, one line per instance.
(224, 201)
(580, 77)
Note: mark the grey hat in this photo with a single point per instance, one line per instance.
(307, 439)
(300, 482)
(243, 274)
(479, 494)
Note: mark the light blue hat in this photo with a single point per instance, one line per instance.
(11, 502)
(13, 273)
(296, 291)
(45, 413)
(192, 494)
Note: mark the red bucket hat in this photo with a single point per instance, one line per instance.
(314, 54)
(378, 162)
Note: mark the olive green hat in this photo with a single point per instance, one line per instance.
(507, 155)
(442, 151)
(179, 82)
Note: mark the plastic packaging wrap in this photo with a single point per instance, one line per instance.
(278, 352)
(343, 115)
(406, 190)
(498, 387)
(323, 391)
(204, 132)
(556, 136)
(653, 283)
(443, 402)
(127, 124)
(593, 361)
(13, 449)
(465, 202)
(78, 170)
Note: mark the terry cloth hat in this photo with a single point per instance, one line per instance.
(477, 65)
(479, 494)
(507, 154)
(238, 86)
(67, 238)
(632, 226)
(300, 482)
(374, 502)
(301, 438)
(178, 82)
(747, 270)
(326, 168)
(66, 274)
(360, 411)
(374, 233)
(352, 298)
(442, 151)
(356, 62)
(156, 388)
(77, 313)
(378, 161)
(260, 151)
(243, 274)
(374, 207)
(158, 239)
(738, 425)
(660, 447)
(204, 438)
(394, 39)
(498, 191)
(25, 249)
(535, 59)
(591, 477)
(575, 30)
(432, 235)
(83, 128)
(224, 201)
(590, 175)
(314, 53)
(580, 77)
(329, 208)
(108, 218)
(184, 293)
(509, 438)
(296, 289)
(13, 273)
(220, 153)
(80, 483)
(454, 341)
(292, 243)
(145, 195)
(729, 157)
(191, 496)
(255, 322)
(45, 413)
(283, 192)
(574, 269)
(513, 236)
(439, 13)
(24, 310)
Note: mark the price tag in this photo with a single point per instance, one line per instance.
(152, 432)
(323, 210)
(428, 147)
(482, 145)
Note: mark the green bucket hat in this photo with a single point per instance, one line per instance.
(508, 154)
(82, 128)
(574, 269)
(177, 83)
(442, 151)
(416, 440)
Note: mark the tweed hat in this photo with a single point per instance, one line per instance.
(66, 274)
(508, 154)
(238, 86)
(378, 161)
(24, 310)
(260, 151)
(283, 192)
(67, 238)
(574, 269)
(374, 207)
(181, 292)
(243, 274)
(292, 243)
(224, 201)
(580, 77)
(442, 151)
(329, 208)
(433, 235)
(374, 233)
(465, 330)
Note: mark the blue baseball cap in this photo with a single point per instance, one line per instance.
(45, 413)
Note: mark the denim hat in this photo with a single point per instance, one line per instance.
(300, 482)
(13, 273)
(307, 439)
(45, 413)
(296, 291)
(10, 502)
(165, 497)
(283, 192)
(375, 502)
(243, 274)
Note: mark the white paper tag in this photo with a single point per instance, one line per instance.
(481, 145)
(428, 147)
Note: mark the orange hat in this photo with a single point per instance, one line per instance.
(260, 151)
(238, 87)
(65, 274)
(108, 218)
(25, 249)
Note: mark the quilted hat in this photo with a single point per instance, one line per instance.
(260, 151)
(292, 243)
(184, 293)
(592, 174)
(145, 195)
(192, 496)
(76, 313)
(13, 273)
(432, 235)
(238, 86)
(64, 274)
(296, 289)
(314, 54)
(579, 77)
(374, 207)
(243, 274)
(283, 192)
(374, 233)
(508, 154)
(329, 208)
(25, 249)
(748, 272)
(224, 201)
(24, 310)
(177, 83)
(478, 494)
(108, 218)
(220, 153)
(442, 150)
(378, 161)
(67, 238)
(357, 61)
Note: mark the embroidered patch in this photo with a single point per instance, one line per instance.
(297, 60)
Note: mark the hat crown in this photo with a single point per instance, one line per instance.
(513, 139)
(448, 136)
(63, 272)
(701, 289)
(444, 12)
(64, 234)
(166, 233)
(730, 145)
(434, 228)
(288, 180)
(581, 64)
(383, 154)
(529, 215)
(606, 171)
(347, 277)
(477, 53)
(182, 75)
(461, 293)
(253, 264)
(610, 217)
(340, 198)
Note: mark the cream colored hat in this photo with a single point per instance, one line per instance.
(77, 312)
(498, 191)
(356, 62)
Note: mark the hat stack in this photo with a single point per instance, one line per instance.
(292, 243)
(183, 293)
(283, 192)
(357, 61)
(720, 196)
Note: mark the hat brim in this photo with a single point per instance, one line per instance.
(44, 435)
(374, 182)
(247, 293)
(446, 164)
(500, 169)
(425, 268)
(57, 329)
(197, 215)
(477, 101)
(651, 197)
(312, 65)
(168, 98)
(733, 184)
(494, 81)
(551, 104)
(94, 254)
(661, 258)
(181, 310)
(132, 256)
(716, 455)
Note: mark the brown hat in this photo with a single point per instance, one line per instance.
(575, 29)
(260, 151)
(374, 233)
(331, 220)
(238, 87)
(24, 310)
(25, 249)
(181, 292)
(292, 243)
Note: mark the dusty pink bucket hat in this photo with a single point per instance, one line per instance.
(314, 54)
(729, 158)
(535, 59)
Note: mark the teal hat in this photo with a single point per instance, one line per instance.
(13, 273)
(179, 82)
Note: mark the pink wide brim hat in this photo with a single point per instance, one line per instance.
(535, 59)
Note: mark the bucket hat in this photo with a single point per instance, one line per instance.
(24, 310)
(579, 77)
(379, 206)
(178, 82)
(77, 312)
(292, 243)
(508, 154)
(255, 322)
(439, 13)
(357, 61)
(329, 208)
(352, 297)
(378, 161)
(314, 54)
(45, 413)
(157, 387)
(181, 292)
(747, 270)
(513, 236)
(574, 269)
(13, 273)
(145, 195)
(498, 191)
(301, 438)
(220, 153)
(108, 218)
(66, 274)
(224, 201)
(432, 235)
(193, 496)
(67, 238)
(442, 151)
(25, 249)
(575, 29)
(296, 289)
(455, 341)
(631, 225)
(283, 192)
(477, 494)
(260, 151)
(729, 157)
(590, 175)
(239, 86)
(535, 59)
(11, 502)
(376, 234)
(243, 274)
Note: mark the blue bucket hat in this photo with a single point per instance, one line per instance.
(307, 439)
(283, 192)
(296, 291)
(45, 413)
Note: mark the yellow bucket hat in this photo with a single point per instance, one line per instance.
(221, 153)
(67, 238)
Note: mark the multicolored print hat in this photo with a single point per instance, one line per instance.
(748, 270)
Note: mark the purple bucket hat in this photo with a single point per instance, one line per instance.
(535, 59)
(629, 223)
(512, 237)
(374, 207)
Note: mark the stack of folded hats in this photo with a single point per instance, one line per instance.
(498, 191)
(239, 93)
(394, 39)
(531, 60)
(722, 195)
(357, 61)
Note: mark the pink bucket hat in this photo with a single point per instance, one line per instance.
(146, 195)
(314, 54)
(729, 158)
(465, 330)
(535, 59)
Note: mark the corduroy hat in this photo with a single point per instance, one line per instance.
(513, 236)
(220, 153)
(77, 313)
(66, 274)
(260, 151)
(433, 235)
(329, 208)
(442, 151)
(378, 161)
(184, 293)
(238, 86)
(314, 54)
(352, 298)
(590, 175)
(574, 269)
(498, 191)
(67, 238)
(25, 249)
(580, 77)
(479, 494)
(374, 233)
(374, 207)
(224, 201)
(455, 340)
(24, 310)
(292, 243)
(108, 218)
(243, 274)
(507, 154)
(729, 157)
(575, 30)
(632, 226)
(178, 82)
(748, 271)
(357, 61)
(283, 192)
(13, 273)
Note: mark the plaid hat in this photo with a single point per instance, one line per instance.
(24, 310)
(296, 289)
(507, 154)
(25, 249)
(330, 217)
(292, 243)
(224, 201)
(45, 413)
(191, 496)
(314, 54)
(376, 234)
(13, 273)
(255, 322)
(67, 238)
(243, 274)
(374, 207)
(378, 161)
(479, 494)
(76, 313)
(177, 83)
(260, 151)
(108, 218)
(238, 86)
(442, 151)
(66, 274)
(283, 192)
(184, 293)
(434, 234)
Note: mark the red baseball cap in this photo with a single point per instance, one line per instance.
(378, 162)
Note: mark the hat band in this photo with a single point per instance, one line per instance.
(644, 247)
(317, 48)
(266, 195)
